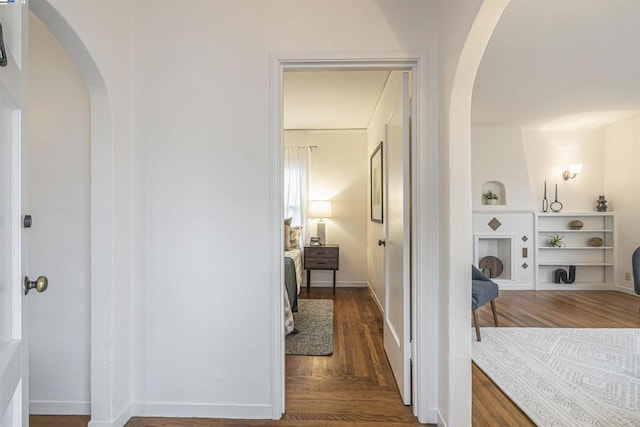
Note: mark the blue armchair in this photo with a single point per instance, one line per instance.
(483, 290)
(635, 263)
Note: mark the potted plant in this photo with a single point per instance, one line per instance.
(490, 198)
(555, 241)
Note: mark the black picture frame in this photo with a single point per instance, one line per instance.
(377, 188)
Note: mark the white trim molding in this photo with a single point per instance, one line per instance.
(180, 410)
(416, 61)
(50, 407)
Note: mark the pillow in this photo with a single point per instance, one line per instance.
(295, 237)
(287, 234)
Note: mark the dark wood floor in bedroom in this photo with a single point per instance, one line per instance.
(354, 386)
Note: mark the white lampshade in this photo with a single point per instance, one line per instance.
(575, 168)
(320, 209)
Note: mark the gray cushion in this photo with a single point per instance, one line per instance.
(482, 292)
(483, 289)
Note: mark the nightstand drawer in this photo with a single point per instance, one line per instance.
(321, 252)
(321, 263)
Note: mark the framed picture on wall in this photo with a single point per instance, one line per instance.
(376, 184)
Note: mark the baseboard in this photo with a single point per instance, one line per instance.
(40, 407)
(626, 290)
(440, 420)
(516, 286)
(124, 416)
(329, 284)
(433, 416)
(574, 287)
(188, 410)
(375, 297)
(120, 420)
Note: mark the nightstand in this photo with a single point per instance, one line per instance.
(321, 258)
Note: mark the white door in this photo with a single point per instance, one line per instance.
(13, 350)
(397, 216)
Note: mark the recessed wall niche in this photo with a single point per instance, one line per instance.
(495, 250)
(497, 188)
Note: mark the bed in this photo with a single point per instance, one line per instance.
(292, 272)
(293, 276)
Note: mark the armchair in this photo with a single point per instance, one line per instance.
(483, 290)
(635, 263)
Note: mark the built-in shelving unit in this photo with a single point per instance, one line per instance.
(594, 264)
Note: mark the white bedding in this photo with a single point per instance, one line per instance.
(296, 256)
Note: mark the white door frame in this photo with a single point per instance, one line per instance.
(417, 63)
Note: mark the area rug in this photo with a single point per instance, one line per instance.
(566, 377)
(314, 323)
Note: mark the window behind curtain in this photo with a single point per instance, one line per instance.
(296, 185)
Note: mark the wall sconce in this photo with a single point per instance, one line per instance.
(574, 170)
(320, 209)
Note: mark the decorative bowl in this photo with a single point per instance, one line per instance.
(576, 224)
(596, 242)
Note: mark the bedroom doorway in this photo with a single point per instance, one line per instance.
(323, 140)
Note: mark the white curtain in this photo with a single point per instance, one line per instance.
(296, 186)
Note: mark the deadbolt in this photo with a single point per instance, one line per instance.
(40, 284)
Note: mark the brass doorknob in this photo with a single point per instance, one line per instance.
(40, 284)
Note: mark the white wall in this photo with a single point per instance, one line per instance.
(59, 241)
(622, 177)
(200, 180)
(548, 153)
(338, 172)
(609, 155)
(497, 154)
(522, 159)
(202, 185)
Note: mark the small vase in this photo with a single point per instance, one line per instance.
(602, 204)
(492, 201)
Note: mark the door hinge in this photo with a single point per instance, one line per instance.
(410, 107)
(412, 351)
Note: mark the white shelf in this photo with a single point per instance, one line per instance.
(577, 264)
(580, 248)
(558, 230)
(595, 265)
(574, 214)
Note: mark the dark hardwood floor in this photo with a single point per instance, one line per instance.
(545, 309)
(354, 386)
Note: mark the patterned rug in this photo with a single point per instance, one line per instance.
(314, 322)
(566, 377)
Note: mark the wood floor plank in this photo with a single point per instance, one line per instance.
(355, 387)
(58, 420)
(545, 309)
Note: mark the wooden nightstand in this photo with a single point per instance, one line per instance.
(321, 258)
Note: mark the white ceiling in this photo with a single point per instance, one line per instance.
(557, 64)
(331, 99)
(562, 61)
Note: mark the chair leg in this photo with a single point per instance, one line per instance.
(475, 323)
(495, 313)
